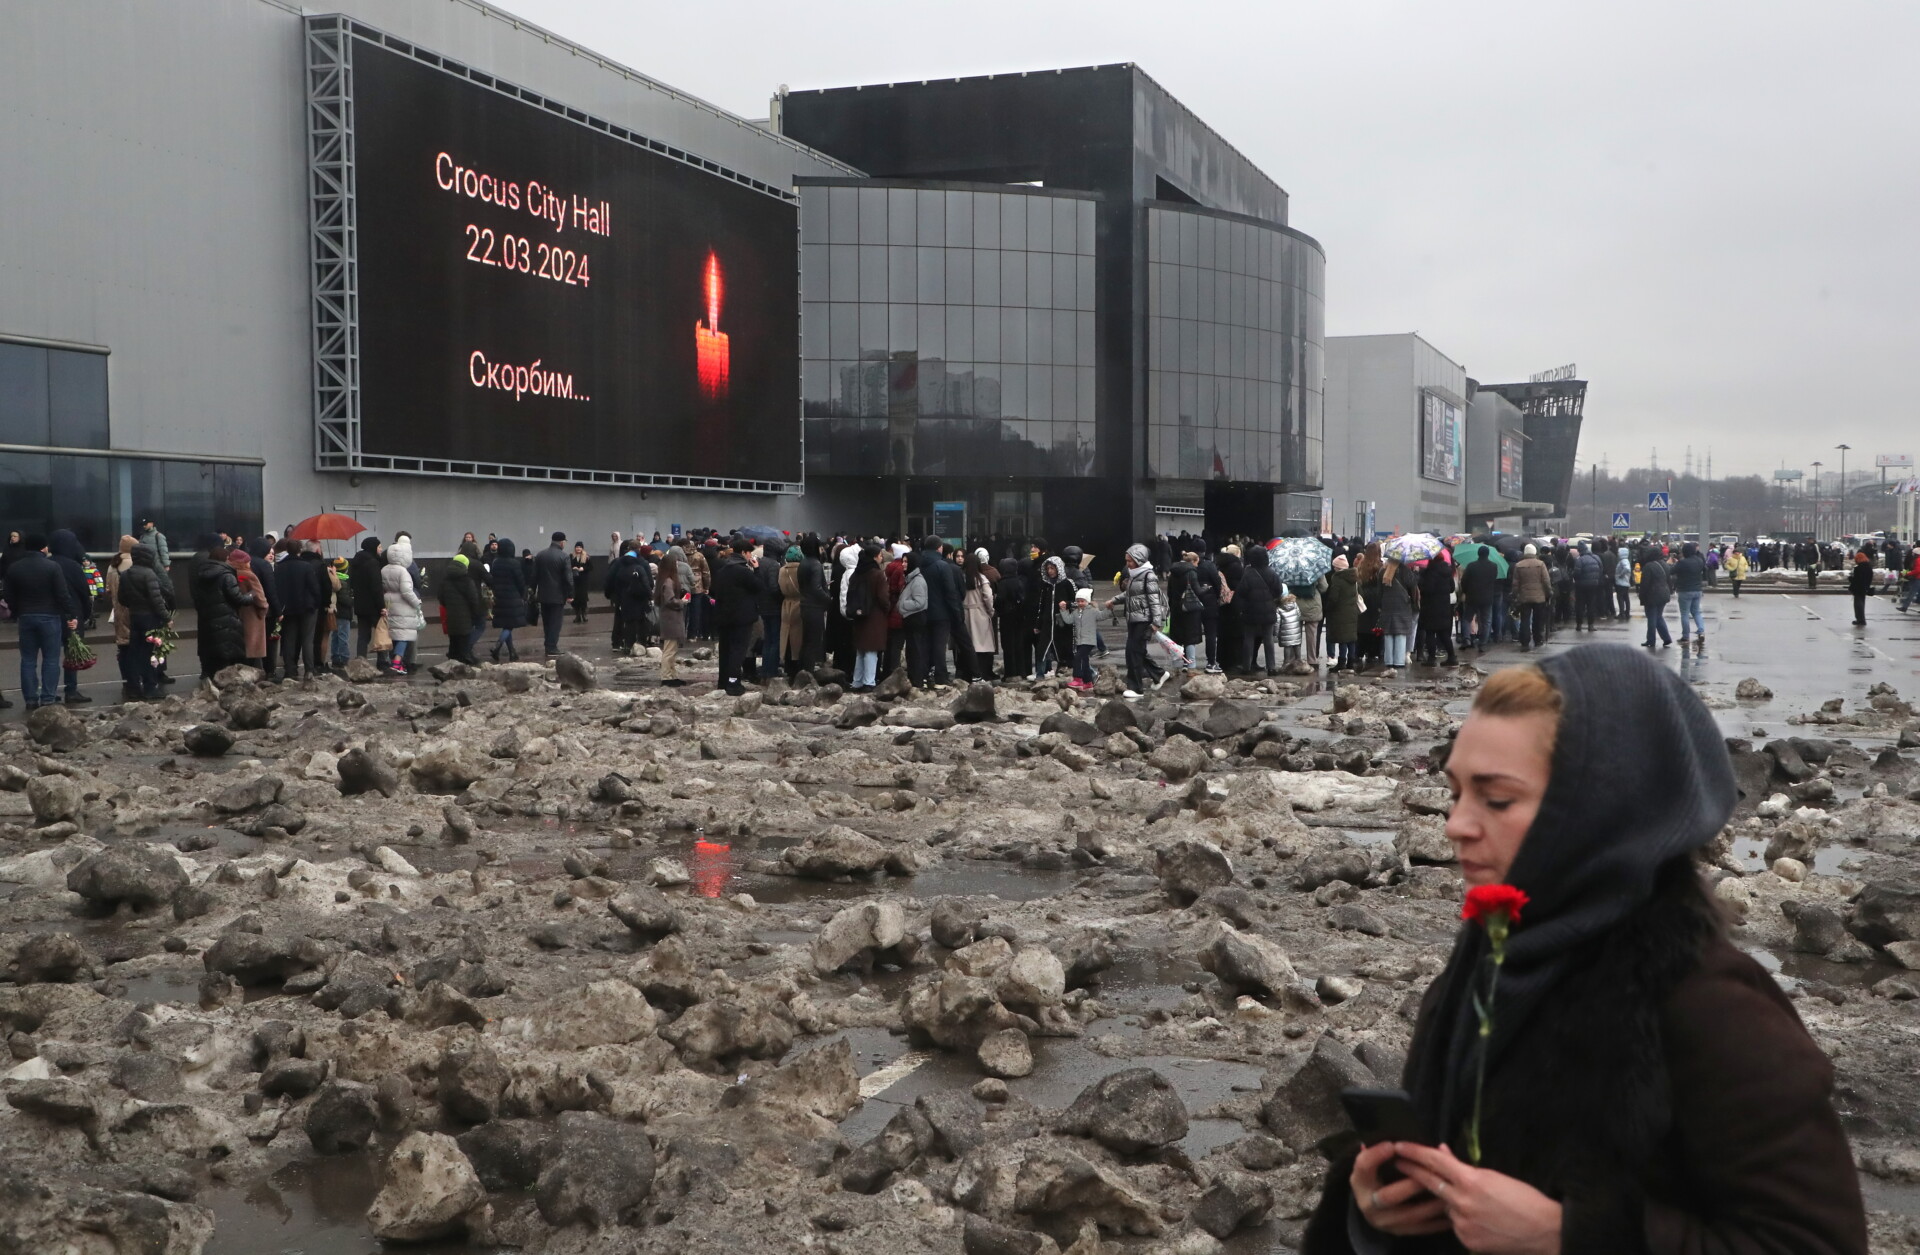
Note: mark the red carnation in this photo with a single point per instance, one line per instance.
(1486, 901)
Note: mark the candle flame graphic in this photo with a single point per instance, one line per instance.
(710, 343)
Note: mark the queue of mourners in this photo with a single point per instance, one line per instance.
(865, 606)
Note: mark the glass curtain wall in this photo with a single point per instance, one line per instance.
(1236, 349)
(55, 398)
(947, 331)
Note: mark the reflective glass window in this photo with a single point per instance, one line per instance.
(1086, 284)
(873, 272)
(1066, 282)
(902, 216)
(959, 220)
(902, 274)
(986, 275)
(986, 333)
(843, 330)
(1040, 278)
(815, 380)
(1066, 393)
(1066, 222)
(903, 328)
(959, 262)
(1013, 278)
(24, 417)
(1065, 337)
(813, 329)
(1013, 335)
(873, 329)
(1013, 391)
(1189, 236)
(813, 214)
(1013, 222)
(1084, 352)
(986, 220)
(26, 492)
(1040, 337)
(1039, 223)
(815, 269)
(873, 215)
(77, 402)
(843, 272)
(933, 274)
(933, 217)
(843, 215)
(1084, 387)
(933, 331)
(1040, 393)
(960, 332)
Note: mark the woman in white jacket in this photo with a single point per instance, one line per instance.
(403, 604)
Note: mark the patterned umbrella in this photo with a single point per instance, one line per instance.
(1299, 559)
(1413, 547)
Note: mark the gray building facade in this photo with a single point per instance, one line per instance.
(156, 203)
(1396, 449)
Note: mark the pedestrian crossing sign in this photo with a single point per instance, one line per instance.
(1620, 521)
(1656, 501)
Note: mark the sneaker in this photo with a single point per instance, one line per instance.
(1162, 680)
(1129, 693)
(1213, 668)
(79, 699)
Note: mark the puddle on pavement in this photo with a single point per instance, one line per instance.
(955, 879)
(1898, 1197)
(1802, 969)
(171, 985)
(1831, 860)
(317, 1207)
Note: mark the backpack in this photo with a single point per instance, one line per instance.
(859, 598)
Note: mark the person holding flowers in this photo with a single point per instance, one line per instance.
(145, 597)
(1601, 1071)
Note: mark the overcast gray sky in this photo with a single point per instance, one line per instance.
(1710, 207)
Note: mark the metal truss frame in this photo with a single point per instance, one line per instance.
(334, 261)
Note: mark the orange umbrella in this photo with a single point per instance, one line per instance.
(326, 527)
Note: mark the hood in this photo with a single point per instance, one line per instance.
(505, 547)
(1138, 553)
(371, 545)
(143, 555)
(64, 544)
(676, 554)
(126, 545)
(1072, 554)
(400, 554)
(1256, 557)
(1594, 851)
(1053, 569)
(259, 547)
(849, 557)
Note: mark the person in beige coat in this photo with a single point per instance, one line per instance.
(977, 605)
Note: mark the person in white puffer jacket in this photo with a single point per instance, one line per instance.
(403, 614)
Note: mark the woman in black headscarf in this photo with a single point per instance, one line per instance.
(1648, 1088)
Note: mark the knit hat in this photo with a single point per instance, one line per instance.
(981, 554)
(1531, 552)
(793, 553)
(1083, 594)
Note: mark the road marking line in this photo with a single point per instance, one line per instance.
(876, 1083)
(1822, 619)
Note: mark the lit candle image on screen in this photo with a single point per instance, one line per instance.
(709, 340)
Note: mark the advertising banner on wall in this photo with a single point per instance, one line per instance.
(1441, 439)
(1512, 453)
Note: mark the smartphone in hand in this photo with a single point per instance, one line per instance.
(1385, 1115)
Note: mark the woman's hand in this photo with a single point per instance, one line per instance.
(1491, 1213)
(1404, 1208)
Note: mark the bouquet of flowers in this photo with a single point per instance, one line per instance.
(162, 640)
(76, 655)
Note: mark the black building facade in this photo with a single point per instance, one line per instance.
(1060, 298)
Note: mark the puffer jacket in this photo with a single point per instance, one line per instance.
(1145, 600)
(216, 601)
(509, 580)
(363, 578)
(142, 591)
(1257, 593)
(396, 585)
(1656, 586)
(460, 597)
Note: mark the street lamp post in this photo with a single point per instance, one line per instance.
(1843, 484)
(1816, 500)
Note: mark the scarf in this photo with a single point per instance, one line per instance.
(1589, 859)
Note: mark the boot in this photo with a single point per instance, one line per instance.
(513, 652)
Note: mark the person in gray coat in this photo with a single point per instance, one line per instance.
(552, 586)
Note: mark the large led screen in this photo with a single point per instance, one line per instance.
(535, 293)
(1441, 438)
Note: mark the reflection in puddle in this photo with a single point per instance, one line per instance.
(317, 1207)
(711, 867)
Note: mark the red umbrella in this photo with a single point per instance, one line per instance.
(326, 527)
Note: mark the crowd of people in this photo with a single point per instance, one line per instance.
(777, 604)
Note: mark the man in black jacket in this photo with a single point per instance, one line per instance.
(736, 609)
(216, 603)
(629, 586)
(68, 555)
(1656, 589)
(767, 571)
(553, 586)
(302, 583)
(363, 584)
(1479, 588)
(946, 593)
(43, 604)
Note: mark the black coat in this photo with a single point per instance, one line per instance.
(363, 582)
(142, 590)
(552, 576)
(509, 580)
(460, 598)
(736, 594)
(1655, 589)
(946, 589)
(1184, 624)
(1479, 582)
(629, 587)
(36, 585)
(67, 555)
(301, 583)
(1666, 1094)
(216, 601)
(1257, 594)
(1860, 579)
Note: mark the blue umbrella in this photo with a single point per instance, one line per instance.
(1299, 559)
(765, 535)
